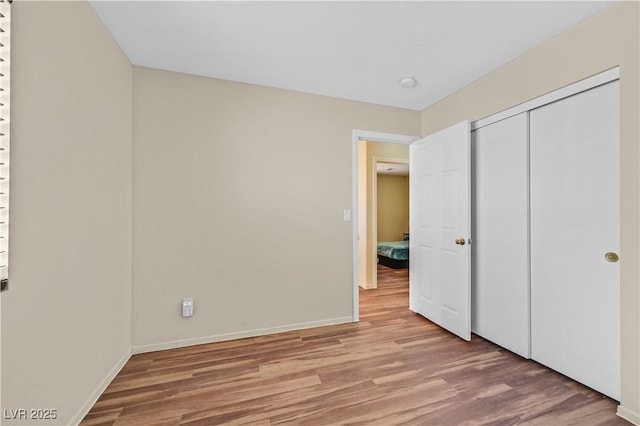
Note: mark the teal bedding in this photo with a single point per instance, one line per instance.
(398, 250)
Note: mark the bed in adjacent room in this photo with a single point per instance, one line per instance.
(394, 254)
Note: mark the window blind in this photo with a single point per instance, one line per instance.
(5, 54)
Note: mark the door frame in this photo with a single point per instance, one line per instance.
(369, 136)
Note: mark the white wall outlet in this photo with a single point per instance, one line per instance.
(347, 215)
(187, 307)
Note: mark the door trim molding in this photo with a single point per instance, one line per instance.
(564, 92)
(370, 136)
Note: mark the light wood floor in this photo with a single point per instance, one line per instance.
(393, 367)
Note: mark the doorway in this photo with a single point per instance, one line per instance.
(389, 214)
(377, 148)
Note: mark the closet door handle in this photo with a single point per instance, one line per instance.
(460, 241)
(611, 257)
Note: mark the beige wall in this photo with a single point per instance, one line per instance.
(604, 41)
(66, 318)
(393, 207)
(375, 151)
(218, 217)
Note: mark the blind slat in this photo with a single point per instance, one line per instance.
(5, 60)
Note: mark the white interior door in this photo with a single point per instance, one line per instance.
(500, 224)
(440, 222)
(574, 224)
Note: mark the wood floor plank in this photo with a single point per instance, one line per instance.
(393, 367)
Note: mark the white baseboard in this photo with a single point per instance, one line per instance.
(628, 415)
(77, 418)
(238, 335)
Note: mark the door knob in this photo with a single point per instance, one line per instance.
(460, 241)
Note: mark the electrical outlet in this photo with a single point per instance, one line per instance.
(187, 307)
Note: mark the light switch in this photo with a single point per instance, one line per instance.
(347, 215)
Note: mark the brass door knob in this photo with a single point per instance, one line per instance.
(611, 257)
(460, 241)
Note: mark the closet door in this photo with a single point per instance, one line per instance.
(500, 213)
(575, 237)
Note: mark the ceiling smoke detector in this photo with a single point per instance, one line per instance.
(408, 82)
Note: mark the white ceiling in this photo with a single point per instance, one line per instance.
(353, 50)
(393, 169)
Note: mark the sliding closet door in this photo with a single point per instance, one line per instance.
(575, 237)
(500, 213)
